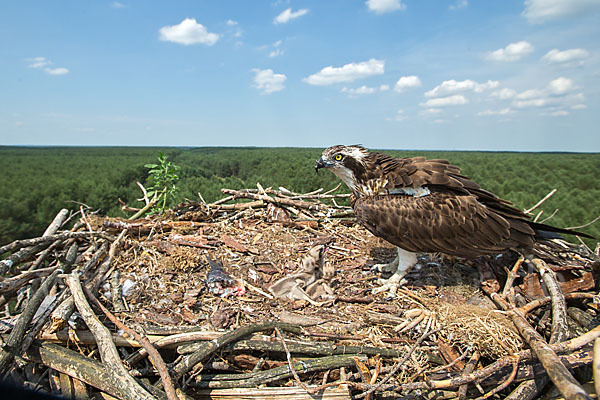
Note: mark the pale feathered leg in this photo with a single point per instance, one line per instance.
(404, 262)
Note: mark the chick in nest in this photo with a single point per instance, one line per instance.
(310, 282)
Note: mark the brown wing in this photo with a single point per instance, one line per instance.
(440, 175)
(441, 222)
(418, 172)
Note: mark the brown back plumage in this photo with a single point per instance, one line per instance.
(428, 206)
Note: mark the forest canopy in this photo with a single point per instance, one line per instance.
(39, 181)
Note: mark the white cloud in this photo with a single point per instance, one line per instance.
(267, 81)
(458, 5)
(504, 93)
(503, 111)
(188, 32)
(347, 73)
(539, 11)
(558, 92)
(44, 64)
(559, 113)
(56, 71)
(529, 94)
(38, 62)
(530, 103)
(231, 22)
(578, 107)
(452, 86)
(566, 57)
(355, 92)
(561, 86)
(360, 90)
(276, 49)
(116, 4)
(455, 100)
(288, 15)
(385, 6)
(512, 52)
(407, 82)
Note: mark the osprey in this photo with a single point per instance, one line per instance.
(422, 205)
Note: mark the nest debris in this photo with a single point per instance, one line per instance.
(150, 276)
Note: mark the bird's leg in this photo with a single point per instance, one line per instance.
(405, 261)
(387, 267)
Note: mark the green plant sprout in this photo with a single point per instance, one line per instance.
(162, 182)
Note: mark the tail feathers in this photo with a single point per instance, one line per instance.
(547, 232)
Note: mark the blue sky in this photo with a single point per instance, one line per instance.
(396, 74)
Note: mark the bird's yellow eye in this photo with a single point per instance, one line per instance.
(338, 157)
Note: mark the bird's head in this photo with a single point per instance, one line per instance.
(347, 162)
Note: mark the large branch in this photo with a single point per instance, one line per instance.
(557, 372)
(88, 370)
(18, 244)
(209, 348)
(12, 344)
(131, 390)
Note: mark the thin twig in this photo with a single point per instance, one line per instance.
(507, 381)
(398, 365)
(584, 225)
(289, 359)
(539, 203)
(512, 274)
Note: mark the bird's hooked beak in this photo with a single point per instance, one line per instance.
(322, 164)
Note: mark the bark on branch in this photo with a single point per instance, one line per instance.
(130, 389)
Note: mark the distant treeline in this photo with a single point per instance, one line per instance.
(38, 181)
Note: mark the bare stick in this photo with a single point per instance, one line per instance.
(550, 216)
(558, 373)
(12, 344)
(584, 225)
(18, 244)
(275, 200)
(470, 367)
(560, 327)
(398, 365)
(152, 352)
(209, 348)
(289, 359)
(55, 225)
(539, 203)
(527, 308)
(108, 351)
(530, 389)
(67, 266)
(16, 282)
(512, 274)
(61, 315)
(507, 381)
(21, 256)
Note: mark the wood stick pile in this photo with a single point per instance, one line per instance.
(182, 305)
